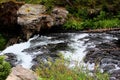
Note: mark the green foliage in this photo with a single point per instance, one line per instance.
(2, 42)
(59, 71)
(4, 68)
(73, 24)
(81, 15)
(102, 15)
(107, 23)
(1, 1)
(92, 24)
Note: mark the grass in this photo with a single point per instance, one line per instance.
(59, 71)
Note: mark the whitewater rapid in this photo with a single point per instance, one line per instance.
(77, 43)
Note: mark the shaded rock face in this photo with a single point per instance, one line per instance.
(20, 73)
(33, 18)
(8, 18)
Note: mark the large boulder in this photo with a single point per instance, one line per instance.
(20, 73)
(29, 18)
(33, 18)
(19, 21)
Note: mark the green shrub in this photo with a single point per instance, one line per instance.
(92, 24)
(73, 24)
(4, 68)
(113, 23)
(102, 15)
(2, 42)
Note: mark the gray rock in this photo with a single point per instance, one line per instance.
(20, 73)
(12, 59)
(31, 9)
(108, 67)
(32, 18)
(108, 61)
(113, 78)
(29, 18)
(115, 73)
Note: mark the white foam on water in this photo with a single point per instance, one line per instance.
(77, 43)
(76, 57)
(24, 58)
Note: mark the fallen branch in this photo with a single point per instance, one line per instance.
(102, 30)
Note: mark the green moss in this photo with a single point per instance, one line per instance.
(4, 68)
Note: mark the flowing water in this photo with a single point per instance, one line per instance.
(73, 46)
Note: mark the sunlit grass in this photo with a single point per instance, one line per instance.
(59, 71)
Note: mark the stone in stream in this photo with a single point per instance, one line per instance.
(115, 73)
(11, 58)
(50, 48)
(106, 54)
(107, 67)
(44, 60)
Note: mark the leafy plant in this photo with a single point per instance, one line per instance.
(73, 24)
(4, 68)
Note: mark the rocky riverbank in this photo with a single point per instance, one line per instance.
(19, 21)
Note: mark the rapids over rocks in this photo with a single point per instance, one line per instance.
(88, 49)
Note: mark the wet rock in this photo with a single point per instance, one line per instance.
(109, 61)
(50, 48)
(105, 53)
(108, 67)
(44, 60)
(56, 47)
(115, 73)
(20, 73)
(119, 64)
(12, 59)
(39, 48)
(113, 78)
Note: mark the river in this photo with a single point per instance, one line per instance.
(75, 47)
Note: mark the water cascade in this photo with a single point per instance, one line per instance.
(73, 46)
